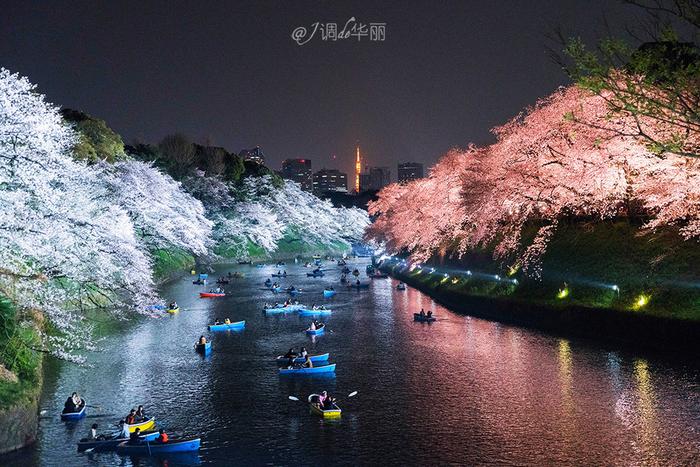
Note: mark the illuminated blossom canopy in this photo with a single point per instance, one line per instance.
(567, 157)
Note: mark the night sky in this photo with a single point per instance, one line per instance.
(230, 73)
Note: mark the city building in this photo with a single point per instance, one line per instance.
(408, 171)
(375, 178)
(298, 170)
(326, 180)
(254, 155)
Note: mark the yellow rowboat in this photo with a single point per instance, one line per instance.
(145, 425)
(172, 311)
(333, 412)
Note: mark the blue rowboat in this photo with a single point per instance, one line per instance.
(75, 415)
(316, 332)
(308, 371)
(328, 293)
(155, 448)
(110, 444)
(423, 319)
(306, 312)
(227, 327)
(314, 358)
(294, 292)
(204, 349)
(280, 308)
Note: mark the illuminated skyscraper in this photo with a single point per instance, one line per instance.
(358, 169)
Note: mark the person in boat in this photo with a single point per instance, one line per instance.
(322, 307)
(358, 282)
(135, 436)
(303, 353)
(422, 312)
(429, 314)
(217, 322)
(312, 327)
(140, 414)
(314, 307)
(308, 363)
(131, 418)
(70, 404)
(173, 306)
(227, 321)
(268, 282)
(324, 400)
(162, 436)
(123, 430)
(291, 354)
(279, 273)
(93, 431)
(202, 340)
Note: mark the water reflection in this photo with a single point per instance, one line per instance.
(462, 390)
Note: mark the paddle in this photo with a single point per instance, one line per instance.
(295, 398)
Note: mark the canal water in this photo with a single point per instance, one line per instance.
(460, 391)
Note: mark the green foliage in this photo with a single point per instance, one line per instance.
(96, 140)
(234, 168)
(657, 83)
(591, 257)
(165, 262)
(17, 355)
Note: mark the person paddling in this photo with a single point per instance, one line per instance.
(202, 340)
(308, 363)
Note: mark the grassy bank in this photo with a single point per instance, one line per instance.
(608, 265)
(169, 261)
(22, 382)
(289, 246)
(607, 279)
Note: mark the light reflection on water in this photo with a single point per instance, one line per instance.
(461, 390)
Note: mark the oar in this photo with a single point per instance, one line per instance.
(295, 398)
(94, 406)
